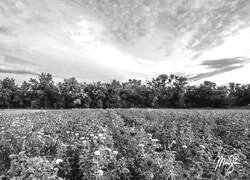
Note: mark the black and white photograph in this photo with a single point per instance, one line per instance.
(124, 90)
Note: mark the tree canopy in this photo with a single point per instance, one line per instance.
(164, 91)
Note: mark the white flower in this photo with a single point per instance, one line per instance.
(67, 132)
(76, 134)
(82, 138)
(115, 152)
(100, 172)
(100, 135)
(84, 142)
(202, 146)
(141, 145)
(97, 153)
(125, 170)
(174, 142)
(58, 161)
(155, 140)
(184, 146)
(150, 175)
(108, 149)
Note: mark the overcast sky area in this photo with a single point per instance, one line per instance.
(121, 39)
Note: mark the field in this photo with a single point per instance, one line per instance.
(139, 144)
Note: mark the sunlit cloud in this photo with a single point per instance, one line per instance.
(100, 40)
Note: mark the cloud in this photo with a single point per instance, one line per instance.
(206, 22)
(210, 22)
(17, 71)
(225, 62)
(90, 38)
(9, 59)
(16, 65)
(213, 73)
(220, 66)
(6, 31)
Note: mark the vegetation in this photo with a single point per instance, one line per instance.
(162, 92)
(125, 144)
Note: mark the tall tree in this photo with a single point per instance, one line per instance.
(47, 91)
(72, 93)
(8, 93)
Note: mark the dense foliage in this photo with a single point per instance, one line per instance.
(162, 92)
(125, 144)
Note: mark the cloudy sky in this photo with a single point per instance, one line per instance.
(121, 39)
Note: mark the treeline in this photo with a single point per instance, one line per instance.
(162, 92)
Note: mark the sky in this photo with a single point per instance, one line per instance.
(103, 40)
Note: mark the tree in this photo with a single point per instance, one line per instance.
(97, 92)
(8, 93)
(164, 91)
(47, 91)
(72, 94)
(206, 95)
(112, 98)
(168, 90)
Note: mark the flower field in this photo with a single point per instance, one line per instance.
(125, 144)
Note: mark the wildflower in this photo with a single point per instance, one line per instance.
(84, 142)
(115, 152)
(92, 135)
(76, 134)
(125, 171)
(97, 153)
(150, 175)
(100, 172)
(108, 149)
(82, 138)
(100, 135)
(21, 153)
(174, 142)
(141, 145)
(58, 161)
(184, 146)
(155, 140)
(67, 132)
(95, 137)
(202, 146)
(12, 156)
(56, 169)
